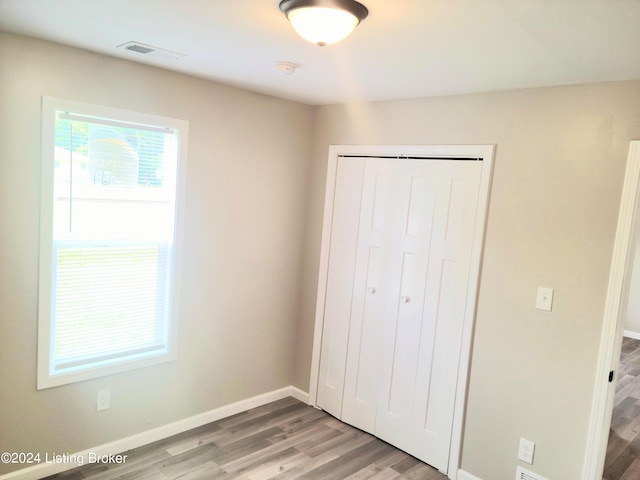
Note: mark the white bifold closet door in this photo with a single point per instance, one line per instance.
(399, 265)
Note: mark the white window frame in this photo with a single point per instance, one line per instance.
(50, 105)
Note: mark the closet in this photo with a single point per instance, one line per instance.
(397, 293)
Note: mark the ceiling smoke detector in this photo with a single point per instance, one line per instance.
(151, 51)
(286, 68)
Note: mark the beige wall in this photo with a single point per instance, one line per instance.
(557, 181)
(245, 208)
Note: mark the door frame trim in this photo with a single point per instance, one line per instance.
(486, 154)
(613, 322)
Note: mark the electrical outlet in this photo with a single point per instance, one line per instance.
(104, 399)
(525, 453)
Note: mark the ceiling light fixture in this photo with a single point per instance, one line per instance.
(324, 22)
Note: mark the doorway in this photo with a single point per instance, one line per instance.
(623, 459)
(614, 314)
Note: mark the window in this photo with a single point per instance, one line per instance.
(109, 224)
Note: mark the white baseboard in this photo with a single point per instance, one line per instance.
(298, 394)
(45, 469)
(462, 475)
(630, 334)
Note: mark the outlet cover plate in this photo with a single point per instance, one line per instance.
(526, 450)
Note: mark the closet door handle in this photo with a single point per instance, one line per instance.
(371, 290)
(405, 299)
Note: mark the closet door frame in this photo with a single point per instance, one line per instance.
(485, 153)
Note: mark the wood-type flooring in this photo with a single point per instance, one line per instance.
(281, 441)
(623, 450)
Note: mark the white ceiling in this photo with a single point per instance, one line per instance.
(404, 49)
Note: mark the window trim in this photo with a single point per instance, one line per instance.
(45, 301)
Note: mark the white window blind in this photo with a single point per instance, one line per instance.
(108, 241)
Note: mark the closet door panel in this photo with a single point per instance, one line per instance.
(446, 293)
(340, 281)
(421, 355)
(404, 326)
(363, 357)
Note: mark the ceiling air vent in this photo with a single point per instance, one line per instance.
(134, 47)
(522, 474)
(151, 51)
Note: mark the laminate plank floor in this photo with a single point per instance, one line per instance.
(623, 449)
(283, 440)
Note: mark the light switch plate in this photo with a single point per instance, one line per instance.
(544, 300)
(104, 399)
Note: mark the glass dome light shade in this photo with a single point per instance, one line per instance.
(322, 25)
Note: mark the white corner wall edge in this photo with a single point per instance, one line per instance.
(462, 475)
(630, 334)
(45, 469)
